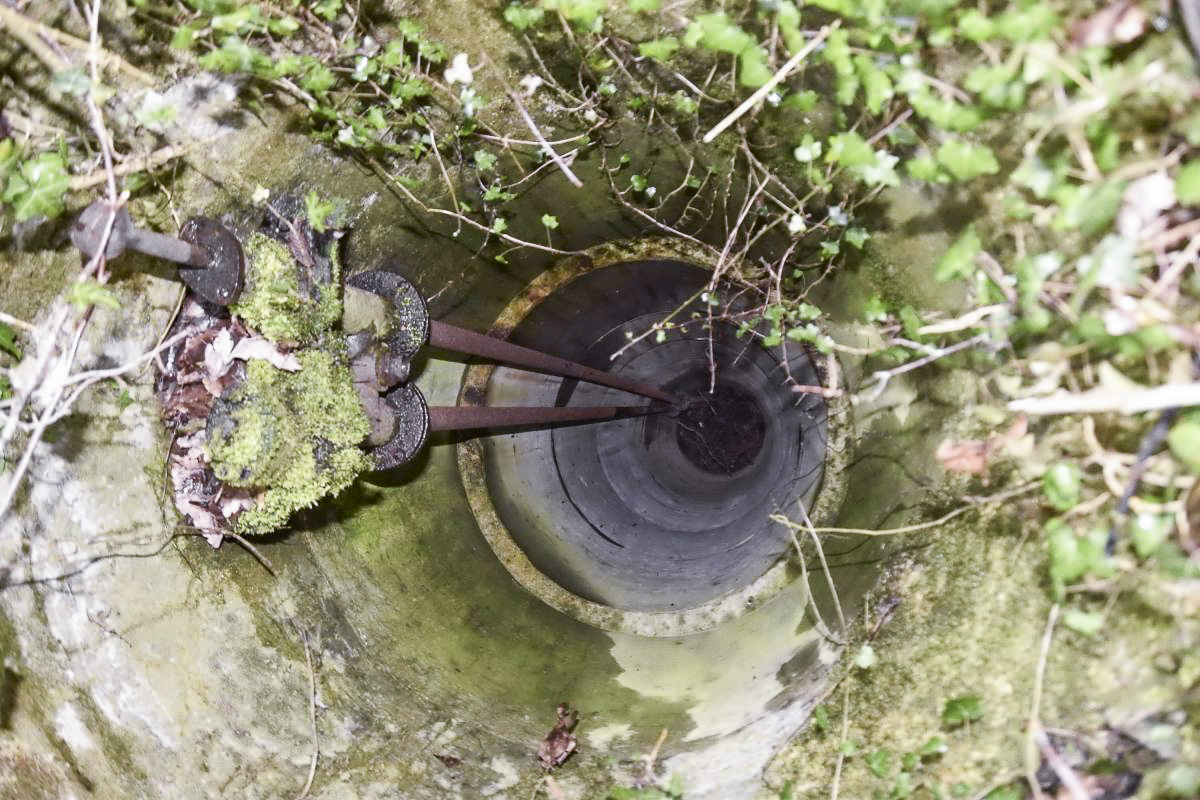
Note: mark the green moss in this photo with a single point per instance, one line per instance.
(294, 434)
(273, 301)
(291, 436)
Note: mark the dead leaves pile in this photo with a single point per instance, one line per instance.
(560, 742)
(209, 361)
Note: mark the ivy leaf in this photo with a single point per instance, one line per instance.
(876, 83)
(38, 187)
(8, 342)
(716, 32)
(184, 36)
(499, 225)
(234, 55)
(960, 710)
(1088, 623)
(857, 237)
(849, 150)
(317, 210)
(966, 160)
(959, 260)
(1187, 183)
(659, 49)
(1060, 486)
(484, 161)
(550, 221)
(83, 294)
(1184, 441)
(879, 762)
(73, 81)
(156, 112)
(1072, 556)
(753, 71)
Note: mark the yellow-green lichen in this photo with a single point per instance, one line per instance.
(274, 301)
(292, 434)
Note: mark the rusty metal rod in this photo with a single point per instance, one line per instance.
(456, 418)
(476, 344)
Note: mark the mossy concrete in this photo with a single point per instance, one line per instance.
(143, 663)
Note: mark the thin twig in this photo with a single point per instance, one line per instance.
(884, 376)
(772, 82)
(1034, 726)
(837, 770)
(136, 164)
(550, 152)
(996, 498)
(254, 551)
(312, 714)
(837, 603)
(1101, 401)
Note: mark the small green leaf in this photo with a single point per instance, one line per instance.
(642, 6)
(820, 719)
(8, 342)
(328, 9)
(1187, 183)
(1148, 531)
(550, 221)
(1073, 556)
(1088, 623)
(753, 70)
(499, 225)
(875, 309)
(965, 160)
(184, 37)
(934, 747)
(38, 187)
(73, 81)
(959, 710)
(638, 183)
(523, 17)
(879, 762)
(659, 49)
(716, 32)
(857, 237)
(156, 112)
(317, 210)
(848, 747)
(494, 194)
(586, 14)
(802, 101)
(317, 78)
(84, 294)
(1184, 441)
(959, 260)
(1060, 486)
(484, 161)
(849, 150)
(1004, 793)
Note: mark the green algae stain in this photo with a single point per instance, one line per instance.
(455, 610)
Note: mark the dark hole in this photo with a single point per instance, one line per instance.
(722, 431)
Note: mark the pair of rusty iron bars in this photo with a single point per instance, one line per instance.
(211, 262)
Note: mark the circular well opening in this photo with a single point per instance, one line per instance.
(657, 524)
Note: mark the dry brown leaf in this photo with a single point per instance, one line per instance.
(559, 743)
(971, 456)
